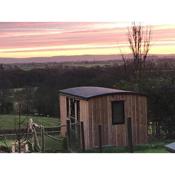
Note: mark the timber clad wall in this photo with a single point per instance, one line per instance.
(98, 110)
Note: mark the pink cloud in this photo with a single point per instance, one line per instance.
(70, 33)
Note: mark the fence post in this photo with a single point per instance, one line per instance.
(68, 134)
(42, 140)
(82, 136)
(129, 128)
(100, 138)
(19, 128)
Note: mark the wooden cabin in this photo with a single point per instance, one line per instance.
(109, 108)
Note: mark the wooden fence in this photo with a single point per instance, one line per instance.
(75, 140)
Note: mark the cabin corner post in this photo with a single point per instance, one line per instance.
(63, 114)
(42, 140)
(82, 136)
(68, 134)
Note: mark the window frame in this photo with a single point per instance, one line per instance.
(123, 117)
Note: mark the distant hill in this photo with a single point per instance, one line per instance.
(78, 58)
(59, 59)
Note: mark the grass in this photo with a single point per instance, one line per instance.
(155, 147)
(143, 149)
(6, 142)
(8, 121)
(151, 148)
(52, 145)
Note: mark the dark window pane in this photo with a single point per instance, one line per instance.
(117, 112)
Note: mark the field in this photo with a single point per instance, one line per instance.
(8, 121)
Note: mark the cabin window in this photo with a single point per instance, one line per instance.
(118, 112)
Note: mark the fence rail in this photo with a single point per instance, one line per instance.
(12, 133)
(23, 130)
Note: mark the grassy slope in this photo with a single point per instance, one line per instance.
(8, 121)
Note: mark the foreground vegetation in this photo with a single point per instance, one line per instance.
(59, 146)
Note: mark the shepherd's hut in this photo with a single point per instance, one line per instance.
(109, 108)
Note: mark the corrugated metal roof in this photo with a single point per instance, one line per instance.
(91, 91)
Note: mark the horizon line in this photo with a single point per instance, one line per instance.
(153, 54)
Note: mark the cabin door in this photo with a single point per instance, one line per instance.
(74, 116)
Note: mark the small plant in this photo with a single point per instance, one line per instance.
(4, 147)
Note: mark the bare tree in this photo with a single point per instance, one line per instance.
(139, 41)
(124, 60)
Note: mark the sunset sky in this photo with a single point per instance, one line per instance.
(20, 40)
